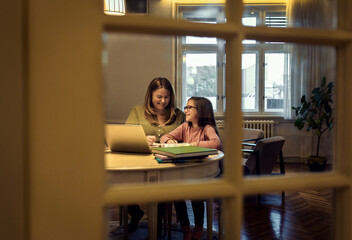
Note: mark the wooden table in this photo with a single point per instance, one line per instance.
(143, 168)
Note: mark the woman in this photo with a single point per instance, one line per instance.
(158, 116)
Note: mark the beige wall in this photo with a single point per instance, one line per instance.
(132, 61)
(300, 144)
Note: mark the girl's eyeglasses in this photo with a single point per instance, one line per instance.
(189, 108)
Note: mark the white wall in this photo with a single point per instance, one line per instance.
(300, 144)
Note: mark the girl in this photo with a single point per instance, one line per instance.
(198, 130)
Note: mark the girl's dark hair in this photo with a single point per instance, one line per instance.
(205, 112)
(149, 110)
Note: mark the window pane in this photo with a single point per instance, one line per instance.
(274, 82)
(259, 16)
(250, 19)
(199, 40)
(200, 76)
(249, 95)
(202, 14)
(207, 13)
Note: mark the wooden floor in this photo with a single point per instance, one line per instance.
(304, 215)
(300, 215)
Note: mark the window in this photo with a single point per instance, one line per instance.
(265, 65)
(202, 59)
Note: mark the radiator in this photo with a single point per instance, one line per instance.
(266, 125)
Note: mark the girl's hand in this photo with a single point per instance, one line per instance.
(171, 141)
(193, 144)
(151, 139)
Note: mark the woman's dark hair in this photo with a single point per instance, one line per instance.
(205, 112)
(149, 110)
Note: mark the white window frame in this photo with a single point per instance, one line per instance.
(260, 47)
(203, 48)
(219, 73)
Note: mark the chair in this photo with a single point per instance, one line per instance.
(264, 154)
(251, 135)
(167, 219)
(250, 138)
(263, 157)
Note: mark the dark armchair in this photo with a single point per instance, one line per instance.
(263, 156)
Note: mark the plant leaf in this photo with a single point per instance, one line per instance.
(303, 99)
(323, 82)
(299, 123)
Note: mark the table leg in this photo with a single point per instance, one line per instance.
(209, 218)
(152, 220)
(152, 177)
(125, 222)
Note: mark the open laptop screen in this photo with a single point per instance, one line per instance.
(126, 138)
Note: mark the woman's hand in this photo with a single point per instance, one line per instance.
(151, 139)
(170, 141)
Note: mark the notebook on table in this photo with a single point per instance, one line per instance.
(126, 138)
(185, 151)
(166, 159)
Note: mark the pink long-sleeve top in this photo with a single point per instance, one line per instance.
(202, 136)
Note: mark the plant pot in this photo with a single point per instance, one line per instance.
(317, 163)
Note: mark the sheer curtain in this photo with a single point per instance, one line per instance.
(309, 63)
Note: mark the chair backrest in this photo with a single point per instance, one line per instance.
(267, 150)
(250, 133)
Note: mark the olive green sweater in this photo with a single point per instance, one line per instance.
(137, 116)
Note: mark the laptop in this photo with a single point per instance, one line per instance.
(126, 138)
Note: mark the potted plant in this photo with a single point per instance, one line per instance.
(316, 115)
